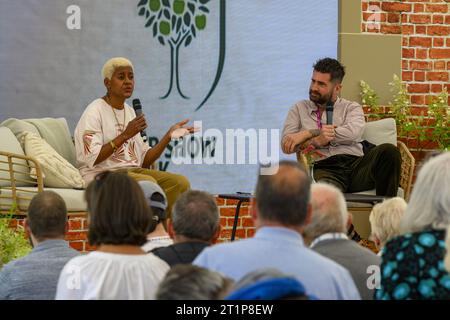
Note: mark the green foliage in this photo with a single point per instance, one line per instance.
(434, 127)
(370, 99)
(13, 243)
(174, 21)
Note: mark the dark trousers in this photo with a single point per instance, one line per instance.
(379, 168)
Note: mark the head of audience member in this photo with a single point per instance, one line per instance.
(429, 204)
(267, 284)
(157, 200)
(385, 220)
(118, 213)
(195, 217)
(326, 82)
(118, 77)
(190, 282)
(47, 217)
(282, 199)
(329, 212)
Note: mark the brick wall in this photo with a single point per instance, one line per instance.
(425, 29)
(77, 234)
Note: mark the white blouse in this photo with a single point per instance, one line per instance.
(111, 276)
(98, 125)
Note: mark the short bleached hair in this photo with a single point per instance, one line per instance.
(112, 64)
(329, 211)
(385, 219)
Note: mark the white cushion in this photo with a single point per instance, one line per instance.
(74, 199)
(19, 127)
(57, 171)
(381, 131)
(9, 143)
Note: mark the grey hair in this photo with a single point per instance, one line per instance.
(429, 205)
(190, 282)
(329, 211)
(385, 219)
(196, 216)
(112, 64)
(259, 275)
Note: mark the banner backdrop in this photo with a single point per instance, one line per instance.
(226, 64)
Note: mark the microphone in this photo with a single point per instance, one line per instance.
(138, 109)
(329, 108)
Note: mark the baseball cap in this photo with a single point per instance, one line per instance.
(150, 188)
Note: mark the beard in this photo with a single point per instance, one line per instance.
(317, 98)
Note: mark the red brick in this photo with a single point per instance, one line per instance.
(436, 88)
(73, 236)
(448, 68)
(405, 64)
(227, 212)
(407, 76)
(418, 111)
(419, 76)
(393, 17)
(421, 53)
(420, 29)
(230, 222)
(251, 232)
(391, 29)
(438, 42)
(447, 42)
(407, 29)
(418, 88)
(419, 65)
(438, 31)
(405, 41)
(248, 222)
(436, 8)
(420, 42)
(220, 201)
(438, 19)
(418, 7)
(395, 6)
(439, 65)
(364, 6)
(223, 222)
(88, 247)
(77, 245)
(408, 53)
(447, 19)
(75, 225)
(420, 18)
(240, 234)
(437, 76)
(440, 53)
(418, 99)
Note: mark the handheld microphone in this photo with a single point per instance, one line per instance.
(329, 108)
(138, 109)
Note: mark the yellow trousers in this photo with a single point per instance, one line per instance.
(172, 184)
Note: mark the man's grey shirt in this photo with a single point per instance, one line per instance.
(35, 276)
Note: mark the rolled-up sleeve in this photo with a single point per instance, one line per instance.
(293, 123)
(351, 130)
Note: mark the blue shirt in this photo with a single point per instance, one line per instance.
(35, 276)
(282, 249)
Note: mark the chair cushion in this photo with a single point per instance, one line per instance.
(9, 143)
(74, 199)
(400, 193)
(57, 171)
(53, 130)
(381, 131)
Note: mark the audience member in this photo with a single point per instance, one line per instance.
(281, 211)
(413, 263)
(327, 232)
(385, 220)
(268, 284)
(189, 282)
(119, 220)
(157, 201)
(35, 276)
(194, 226)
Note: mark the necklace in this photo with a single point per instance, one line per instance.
(121, 128)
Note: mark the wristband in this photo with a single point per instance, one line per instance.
(113, 145)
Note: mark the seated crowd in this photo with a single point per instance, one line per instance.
(301, 249)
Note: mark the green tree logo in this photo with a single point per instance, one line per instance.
(176, 23)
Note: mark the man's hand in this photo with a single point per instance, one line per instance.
(327, 134)
(134, 127)
(291, 141)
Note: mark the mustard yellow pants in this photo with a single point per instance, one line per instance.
(172, 184)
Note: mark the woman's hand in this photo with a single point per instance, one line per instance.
(177, 129)
(134, 127)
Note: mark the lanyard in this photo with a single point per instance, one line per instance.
(319, 118)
